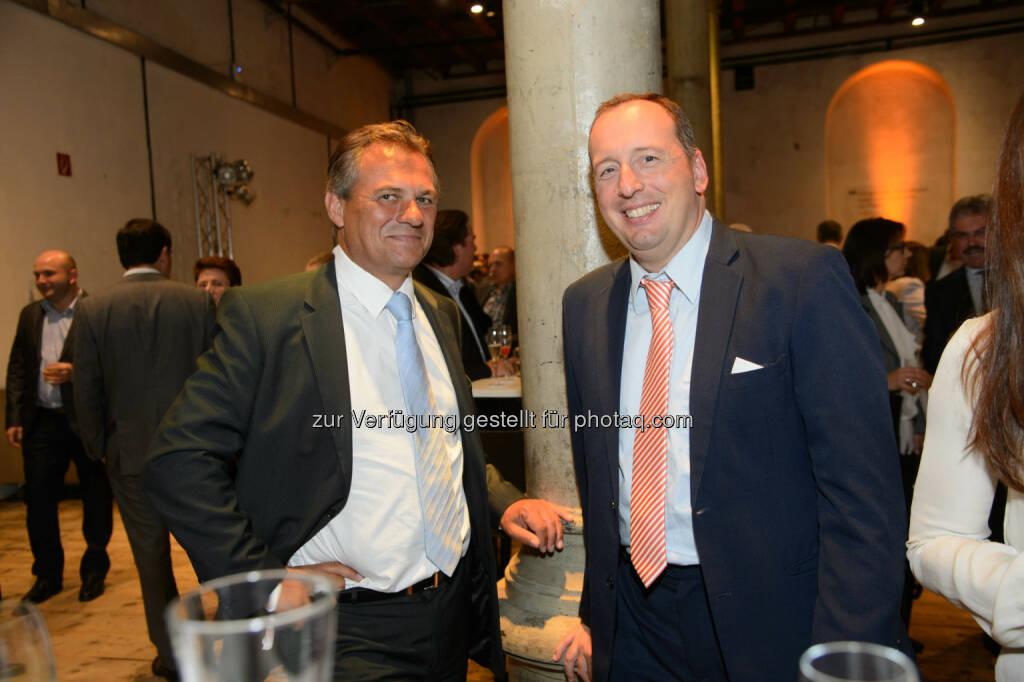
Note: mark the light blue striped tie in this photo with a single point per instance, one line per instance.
(439, 497)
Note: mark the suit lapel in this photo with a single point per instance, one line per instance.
(611, 316)
(447, 339)
(445, 332)
(325, 338)
(965, 306)
(36, 330)
(883, 333)
(716, 311)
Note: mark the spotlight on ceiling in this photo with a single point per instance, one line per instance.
(476, 8)
(917, 9)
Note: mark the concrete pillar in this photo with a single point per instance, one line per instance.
(563, 58)
(691, 58)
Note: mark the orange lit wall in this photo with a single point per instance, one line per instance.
(889, 144)
(491, 182)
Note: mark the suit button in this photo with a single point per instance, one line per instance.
(611, 583)
(613, 505)
(700, 512)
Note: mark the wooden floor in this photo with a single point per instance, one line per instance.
(106, 639)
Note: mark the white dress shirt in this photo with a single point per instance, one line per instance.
(949, 550)
(976, 283)
(686, 270)
(379, 532)
(55, 332)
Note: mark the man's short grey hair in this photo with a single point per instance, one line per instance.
(979, 204)
(343, 167)
(684, 131)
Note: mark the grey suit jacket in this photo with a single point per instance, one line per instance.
(242, 474)
(135, 344)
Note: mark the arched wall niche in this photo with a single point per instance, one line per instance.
(491, 182)
(889, 148)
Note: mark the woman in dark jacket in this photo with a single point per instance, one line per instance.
(877, 253)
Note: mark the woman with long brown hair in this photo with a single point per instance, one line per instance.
(975, 438)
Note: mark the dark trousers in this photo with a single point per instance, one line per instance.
(47, 449)
(422, 636)
(664, 632)
(151, 549)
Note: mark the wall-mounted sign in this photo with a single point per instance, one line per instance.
(64, 164)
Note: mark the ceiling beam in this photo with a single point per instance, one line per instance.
(427, 60)
(837, 13)
(478, 63)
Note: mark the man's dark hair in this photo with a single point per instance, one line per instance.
(830, 231)
(140, 242)
(978, 204)
(865, 248)
(451, 227)
(226, 265)
(684, 131)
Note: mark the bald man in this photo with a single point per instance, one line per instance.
(501, 304)
(40, 421)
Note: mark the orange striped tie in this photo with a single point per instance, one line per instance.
(650, 448)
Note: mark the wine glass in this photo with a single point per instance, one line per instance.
(499, 345)
(240, 628)
(856, 662)
(25, 649)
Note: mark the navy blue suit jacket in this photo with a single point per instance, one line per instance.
(798, 507)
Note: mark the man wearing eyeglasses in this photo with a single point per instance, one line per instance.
(959, 295)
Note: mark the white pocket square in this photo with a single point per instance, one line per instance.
(739, 366)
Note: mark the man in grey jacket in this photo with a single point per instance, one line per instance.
(135, 345)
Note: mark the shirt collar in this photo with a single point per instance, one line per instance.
(449, 283)
(686, 269)
(369, 291)
(140, 270)
(48, 307)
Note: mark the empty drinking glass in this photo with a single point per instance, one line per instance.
(25, 650)
(856, 662)
(261, 625)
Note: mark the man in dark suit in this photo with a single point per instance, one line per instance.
(765, 513)
(40, 421)
(135, 344)
(959, 295)
(448, 261)
(266, 461)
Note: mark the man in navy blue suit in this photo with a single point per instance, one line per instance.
(768, 514)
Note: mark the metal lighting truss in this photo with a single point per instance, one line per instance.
(214, 182)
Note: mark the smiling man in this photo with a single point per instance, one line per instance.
(723, 547)
(40, 421)
(249, 477)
